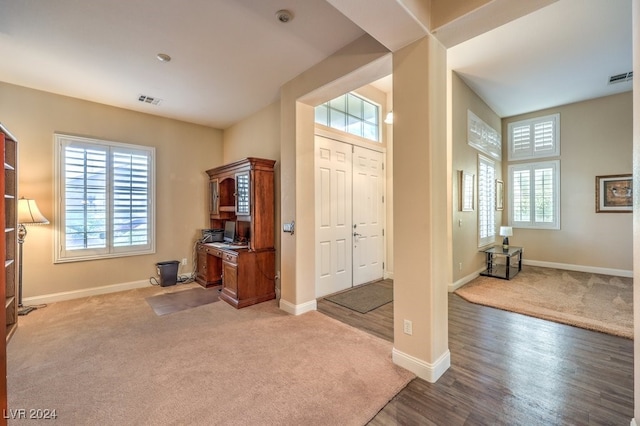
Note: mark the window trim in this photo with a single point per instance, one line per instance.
(532, 224)
(61, 255)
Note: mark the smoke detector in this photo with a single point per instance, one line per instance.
(284, 16)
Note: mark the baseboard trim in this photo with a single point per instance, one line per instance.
(580, 268)
(292, 309)
(85, 292)
(462, 281)
(633, 422)
(388, 275)
(427, 371)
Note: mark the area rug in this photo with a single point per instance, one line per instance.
(110, 360)
(364, 298)
(176, 301)
(592, 301)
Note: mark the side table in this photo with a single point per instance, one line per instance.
(508, 270)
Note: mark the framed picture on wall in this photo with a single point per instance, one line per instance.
(466, 190)
(614, 193)
(499, 194)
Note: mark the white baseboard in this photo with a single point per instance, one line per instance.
(85, 292)
(462, 281)
(580, 268)
(388, 275)
(292, 309)
(633, 422)
(429, 372)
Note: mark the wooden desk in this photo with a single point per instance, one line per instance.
(246, 276)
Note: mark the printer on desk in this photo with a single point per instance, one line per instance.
(212, 235)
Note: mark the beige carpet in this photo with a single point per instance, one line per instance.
(111, 360)
(592, 301)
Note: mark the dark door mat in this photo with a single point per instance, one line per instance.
(169, 303)
(364, 298)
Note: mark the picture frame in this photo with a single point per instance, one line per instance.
(466, 191)
(614, 193)
(499, 194)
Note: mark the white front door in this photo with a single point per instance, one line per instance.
(333, 216)
(368, 214)
(349, 215)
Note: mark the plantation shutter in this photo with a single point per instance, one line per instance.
(486, 201)
(85, 195)
(521, 188)
(534, 138)
(544, 190)
(130, 199)
(535, 195)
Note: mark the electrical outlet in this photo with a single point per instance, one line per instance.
(460, 266)
(408, 327)
(184, 261)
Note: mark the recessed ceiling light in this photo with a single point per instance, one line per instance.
(163, 57)
(284, 16)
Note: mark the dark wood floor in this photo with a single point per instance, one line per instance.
(510, 369)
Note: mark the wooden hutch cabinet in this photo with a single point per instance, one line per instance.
(8, 245)
(242, 192)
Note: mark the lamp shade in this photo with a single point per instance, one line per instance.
(29, 213)
(506, 231)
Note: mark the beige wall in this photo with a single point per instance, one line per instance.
(596, 139)
(422, 208)
(255, 136)
(183, 152)
(465, 224)
(259, 136)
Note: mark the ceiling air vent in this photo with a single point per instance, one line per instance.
(149, 99)
(621, 78)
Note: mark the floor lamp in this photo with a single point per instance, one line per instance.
(28, 214)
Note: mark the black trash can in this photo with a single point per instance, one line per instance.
(168, 272)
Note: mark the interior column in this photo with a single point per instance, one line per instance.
(422, 209)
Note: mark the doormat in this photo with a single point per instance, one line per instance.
(169, 303)
(364, 298)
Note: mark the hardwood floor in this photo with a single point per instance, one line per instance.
(510, 369)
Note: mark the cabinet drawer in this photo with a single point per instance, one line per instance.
(230, 257)
(202, 249)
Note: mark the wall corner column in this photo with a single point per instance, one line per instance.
(422, 208)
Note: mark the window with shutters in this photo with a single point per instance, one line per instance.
(535, 195)
(486, 201)
(105, 192)
(535, 138)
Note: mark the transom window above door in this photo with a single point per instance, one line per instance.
(352, 114)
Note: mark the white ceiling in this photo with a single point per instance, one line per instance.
(560, 54)
(230, 57)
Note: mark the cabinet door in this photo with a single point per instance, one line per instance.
(201, 269)
(230, 279)
(214, 197)
(243, 198)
